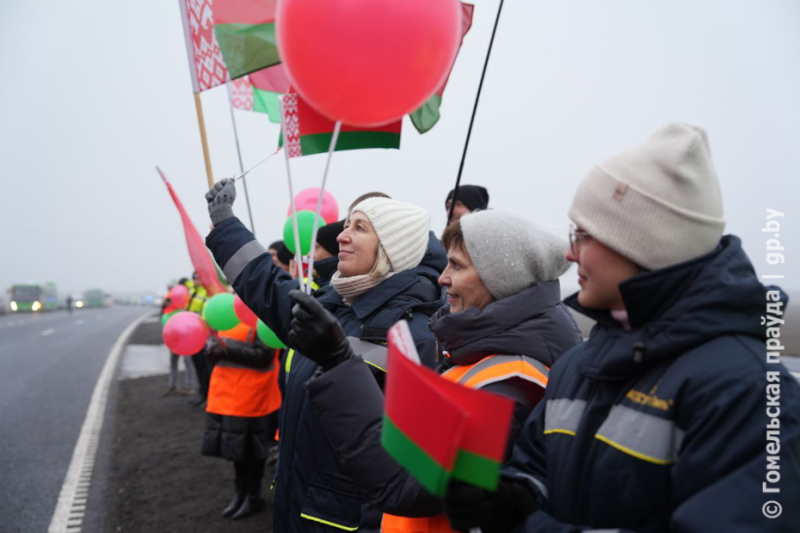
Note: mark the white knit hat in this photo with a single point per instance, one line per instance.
(658, 204)
(511, 252)
(402, 230)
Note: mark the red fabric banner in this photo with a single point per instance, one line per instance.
(198, 253)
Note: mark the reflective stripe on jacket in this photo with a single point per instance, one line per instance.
(490, 369)
(496, 368)
(236, 390)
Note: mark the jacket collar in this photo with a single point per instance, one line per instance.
(675, 309)
(377, 297)
(511, 325)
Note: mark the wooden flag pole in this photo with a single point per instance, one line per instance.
(199, 105)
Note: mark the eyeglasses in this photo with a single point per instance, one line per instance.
(575, 236)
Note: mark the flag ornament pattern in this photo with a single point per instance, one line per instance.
(205, 58)
(260, 91)
(227, 39)
(437, 429)
(241, 92)
(308, 132)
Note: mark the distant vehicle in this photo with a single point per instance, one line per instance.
(94, 298)
(31, 297)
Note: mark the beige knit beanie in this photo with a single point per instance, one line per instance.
(658, 204)
(402, 230)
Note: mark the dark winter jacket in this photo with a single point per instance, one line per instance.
(664, 427)
(238, 438)
(311, 491)
(533, 323)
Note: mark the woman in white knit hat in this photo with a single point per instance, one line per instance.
(504, 327)
(661, 420)
(381, 278)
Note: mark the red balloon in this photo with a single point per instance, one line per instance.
(368, 62)
(243, 312)
(170, 309)
(185, 333)
(179, 296)
(306, 200)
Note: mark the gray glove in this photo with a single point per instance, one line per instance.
(220, 199)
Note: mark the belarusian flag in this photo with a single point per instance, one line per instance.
(308, 132)
(437, 429)
(227, 39)
(259, 91)
(427, 116)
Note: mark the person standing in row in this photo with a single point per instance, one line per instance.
(380, 279)
(470, 198)
(242, 397)
(659, 422)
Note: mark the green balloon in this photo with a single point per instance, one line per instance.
(219, 314)
(165, 317)
(267, 336)
(305, 229)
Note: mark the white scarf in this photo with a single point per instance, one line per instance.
(351, 287)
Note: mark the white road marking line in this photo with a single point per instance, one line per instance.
(67, 508)
(796, 375)
(47, 332)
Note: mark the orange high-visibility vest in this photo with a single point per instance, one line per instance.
(236, 390)
(490, 369)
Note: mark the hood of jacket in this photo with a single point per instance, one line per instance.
(675, 309)
(532, 322)
(435, 259)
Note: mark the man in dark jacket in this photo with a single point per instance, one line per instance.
(326, 255)
(470, 198)
(311, 492)
(665, 420)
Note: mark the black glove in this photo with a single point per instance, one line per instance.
(316, 333)
(470, 507)
(220, 199)
(214, 351)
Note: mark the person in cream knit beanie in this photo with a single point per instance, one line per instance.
(658, 204)
(402, 230)
(511, 252)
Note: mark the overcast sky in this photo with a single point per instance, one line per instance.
(95, 94)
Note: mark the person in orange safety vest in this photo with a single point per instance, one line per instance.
(243, 401)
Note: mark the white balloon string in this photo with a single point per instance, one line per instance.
(297, 257)
(243, 174)
(331, 149)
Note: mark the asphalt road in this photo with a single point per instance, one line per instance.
(49, 365)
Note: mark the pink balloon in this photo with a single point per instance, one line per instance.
(179, 295)
(185, 333)
(306, 200)
(243, 312)
(368, 62)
